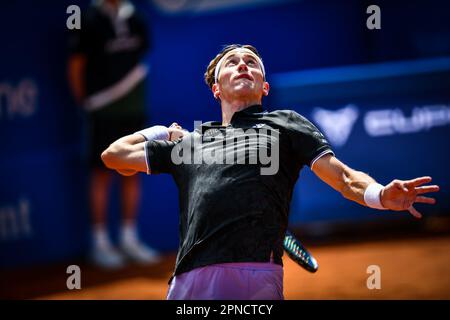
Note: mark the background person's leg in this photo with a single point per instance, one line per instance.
(130, 244)
(103, 252)
(131, 196)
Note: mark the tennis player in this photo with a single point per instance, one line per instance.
(235, 181)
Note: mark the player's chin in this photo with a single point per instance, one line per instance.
(245, 90)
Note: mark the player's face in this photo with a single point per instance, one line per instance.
(241, 77)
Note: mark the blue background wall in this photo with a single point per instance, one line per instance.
(43, 211)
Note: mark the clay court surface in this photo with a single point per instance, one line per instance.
(411, 268)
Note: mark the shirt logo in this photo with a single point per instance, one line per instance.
(211, 133)
(336, 124)
(258, 125)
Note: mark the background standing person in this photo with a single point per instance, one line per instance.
(107, 76)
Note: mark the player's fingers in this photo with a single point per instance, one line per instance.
(414, 212)
(426, 189)
(400, 185)
(426, 200)
(417, 182)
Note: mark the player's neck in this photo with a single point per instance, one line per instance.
(229, 108)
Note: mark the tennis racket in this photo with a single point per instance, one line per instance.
(297, 252)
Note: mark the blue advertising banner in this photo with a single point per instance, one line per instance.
(391, 120)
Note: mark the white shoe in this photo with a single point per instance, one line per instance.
(140, 253)
(107, 257)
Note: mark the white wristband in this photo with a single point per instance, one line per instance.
(372, 196)
(155, 133)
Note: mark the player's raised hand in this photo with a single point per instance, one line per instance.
(402, 194)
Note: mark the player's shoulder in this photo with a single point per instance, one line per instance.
(287, 115)
(209, 125)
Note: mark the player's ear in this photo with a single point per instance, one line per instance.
(266, 88)
(216, 91)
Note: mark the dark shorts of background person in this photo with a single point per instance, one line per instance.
(120, 118)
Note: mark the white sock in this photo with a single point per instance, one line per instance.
(129, 234)
(101, 238)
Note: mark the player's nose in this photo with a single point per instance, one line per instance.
(242, 66)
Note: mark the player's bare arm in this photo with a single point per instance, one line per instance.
(127, 154)
(398, 195)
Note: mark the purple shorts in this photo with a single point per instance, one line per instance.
(229, 281)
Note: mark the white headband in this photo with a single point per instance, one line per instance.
(219, 64)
